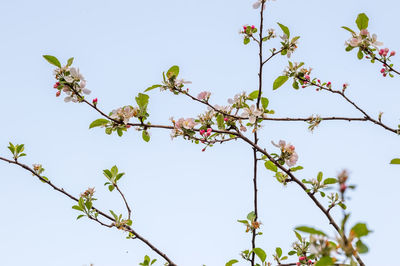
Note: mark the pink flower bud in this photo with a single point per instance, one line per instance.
(364, 32)
(226, 119)
(58, 93)
(94, 101)
(307, 77)
(244, 27)
(252, 26)
(319, 81)
(56, 85)
(382, 70)
(392, 53)
(381, 52)
(209, 130)
(203, 149)
(386, 50)
(202, 132)
(302, 258)
(128, 126)
(298, 263)
(343, 187)
(384, 75)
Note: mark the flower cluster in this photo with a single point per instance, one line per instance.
(205, 133)
(288, 153)
(88, 193)
(71, 82)
(38, 169)
(363, 40)
(304, 261)
(204, 96)
(123, 114)
(288, 46)
(252, 113)
(183, 127)
(386, 69)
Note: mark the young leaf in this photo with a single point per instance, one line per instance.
(362, 21)
(360, 230)
(297, 168)
(52, 60)
(231, 262)
(251, 216)
(142, 100)
(360, 54)
(260, 253)
(361, 247)
(278, 251)
(145, 136)
(298, 236)
(98, 123)
(284, 29)
(253, 95)
(395, 161)
(271, 166)
(329, 181)
(173, 72)
(348, 29)
(246, 41)
(279, 81)
(264, 103)
(310, 230)
(324, 261)
(152, 87)
(70, 61)
(319, 177)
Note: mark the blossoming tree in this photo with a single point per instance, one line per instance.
(240, 120)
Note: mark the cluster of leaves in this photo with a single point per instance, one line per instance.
(85, 205)
(147, 261)
(113, 176)
(17, 150)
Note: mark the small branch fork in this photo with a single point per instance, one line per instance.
(104, 215)
(367, 117)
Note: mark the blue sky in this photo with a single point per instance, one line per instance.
(185, 201)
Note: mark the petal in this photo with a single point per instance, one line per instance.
(256, 4)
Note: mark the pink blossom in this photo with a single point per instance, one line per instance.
(392, 53)
(204, 96)
(364, 32)
(226, 119)
(202, 131)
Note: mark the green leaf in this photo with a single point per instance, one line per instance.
(297, 168)
(310, 230)
(20, 148)
(324, 261)
(329, 181)
(220, 122)
(108, 131)
(113, 214)
(362, 21)
(119, 176)
(260, 253)
(271, 166)
(76, 207)
(107, 173)
(70, 61)
(80, 216)
(278, 251)
(52, 60)
(348, 29)
(114, 170)
(251, 216)
(119, 132)
(360, 54)
(264, 103)
(361, 247)
(173, 72)
(395, 161)
(246, 40)
(291, 253)
(111, 188)
(298, 236)
(295, 85)
(145, 135)
(142, 100)
(360, 230)
(98, 123)
(284, 29)
(253, 95)
(279, 81)
(319, 177)
(231, 262)
(152, 87)
(243, 221)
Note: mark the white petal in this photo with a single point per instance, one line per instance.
(67, 99)
(86, 91)
(256, 4)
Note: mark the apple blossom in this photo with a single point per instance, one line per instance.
(204, 96)
(252, 113)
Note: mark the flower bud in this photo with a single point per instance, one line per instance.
(392, 53)
(94, 101)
